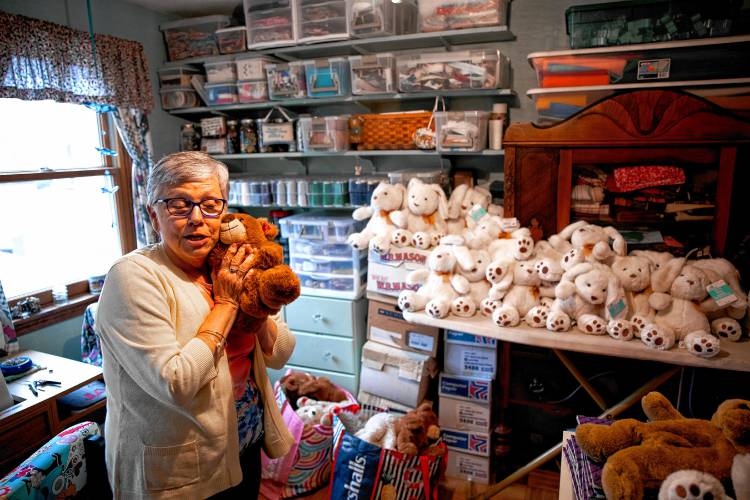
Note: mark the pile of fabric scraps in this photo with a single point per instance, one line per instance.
(587, 197)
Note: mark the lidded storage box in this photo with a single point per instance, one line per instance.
(270, 23)
(178, 76)
(374, 74)
(382, 18)
(327, 77)
(221, 72)
(438, 15)
(252, 68)
(319, 254)
(178, 98)
(465, 69)
(276, 132)
(232, 40)
(252, 91)
(326, 133)
(321, 20)
(193, 37)
(286, 80)
(221, 93)
(461, 130)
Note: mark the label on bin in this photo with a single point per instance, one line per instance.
(653, 69)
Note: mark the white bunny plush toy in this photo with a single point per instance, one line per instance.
(584, 242)
(386, 200)
(503, 238)
(724, 313)
(584, 295)
(423, 222)
(466, 305)
(441, 283)
(462, 200)
(522, 297)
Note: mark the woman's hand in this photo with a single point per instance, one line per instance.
(228, 278)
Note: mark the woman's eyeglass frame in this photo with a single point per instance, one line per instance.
(193, 204)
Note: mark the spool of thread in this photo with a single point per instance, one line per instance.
(496, 134)
(302, 193)
(291, 193)
(280, 194)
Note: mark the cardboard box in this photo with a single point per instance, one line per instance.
(470, 355)
(366, 398)
(387, 273)
(469, 467)
(386, 325)
(400, 376)
(465, 403)
(475, 443)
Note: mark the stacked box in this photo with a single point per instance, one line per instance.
(386, 273)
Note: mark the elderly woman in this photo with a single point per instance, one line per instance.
(172, 425)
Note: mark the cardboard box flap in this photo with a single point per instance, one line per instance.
(411, 365)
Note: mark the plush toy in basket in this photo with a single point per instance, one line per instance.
(307, 466)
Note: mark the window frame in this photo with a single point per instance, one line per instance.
(120, 168)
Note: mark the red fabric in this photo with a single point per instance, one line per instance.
(625, 179)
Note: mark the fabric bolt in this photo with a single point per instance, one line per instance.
(590, 208)
(43, 60)
(625, 179)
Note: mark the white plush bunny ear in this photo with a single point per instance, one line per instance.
(661, 279)
(485, 193)
(619, 245)
(457, 197)
(414, 181)
(568, 230)
(577, 270)
(402, 190)
(442, 201)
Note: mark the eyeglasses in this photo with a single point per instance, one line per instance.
(181, 207)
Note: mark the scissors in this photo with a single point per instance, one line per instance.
(37, 385)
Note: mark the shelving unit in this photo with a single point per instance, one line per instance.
(364, 154)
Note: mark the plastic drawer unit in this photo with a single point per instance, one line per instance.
(320, 237)
(327, 77)
(286, 80)
(329, 133)
(371, 18)
(232, 40)
(193, 37)
(375, 74)
(464, 69)
(461, 130)
(322, 20)
(270, 23)
(221, 72)
(439, 15)
(221, 93)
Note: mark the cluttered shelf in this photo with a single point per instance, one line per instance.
(395, 152)
(734, 355)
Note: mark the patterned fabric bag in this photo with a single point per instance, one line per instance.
(308, 466)
(362, 470)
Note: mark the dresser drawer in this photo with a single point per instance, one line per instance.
(329, 316)
(348, 382)
(325, 352)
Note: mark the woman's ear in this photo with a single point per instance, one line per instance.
(152, 216)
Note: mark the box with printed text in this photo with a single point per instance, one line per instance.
(470, 355)
(386, 273)
(386, 325)
(465, 403)
(469, 467)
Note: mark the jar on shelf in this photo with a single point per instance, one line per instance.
(248, 139)
(189, 138)
(232, 137)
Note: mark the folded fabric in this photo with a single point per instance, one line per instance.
(625, 179)
(590, 208)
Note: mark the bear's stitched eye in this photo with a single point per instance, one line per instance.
(588, 285)
(604, 289)
(425, 199)
(385, 193)
(639, 270)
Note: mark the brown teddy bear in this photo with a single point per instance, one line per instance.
(269, 284)
(641, 455)
(417, 430)
(297, 384)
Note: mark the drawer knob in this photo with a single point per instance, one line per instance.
(317, 317)
(328, 355)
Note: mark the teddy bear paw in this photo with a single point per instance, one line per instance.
(421, 240)
(691, 485)
(488, 306)
(525, 247)
(537, 316)
(702, 344)
(656, 338)
(494, 273)
(570, 259)
(558, 322)
(726, 328)
(593, 326)
(380, 247)
(620, 330)
(405, 302)
(638, 323)
(464, 307)
(400, 238)
(436, 310)
(505, 316)
(435, 238)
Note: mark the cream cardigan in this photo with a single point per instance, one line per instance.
(171, 427)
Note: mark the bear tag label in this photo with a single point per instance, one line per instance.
(721, 293)
(616, 308)
(477, 213)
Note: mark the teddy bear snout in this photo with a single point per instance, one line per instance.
(633, 275)
(691, 282)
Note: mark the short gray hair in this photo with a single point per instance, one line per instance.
(187, 166)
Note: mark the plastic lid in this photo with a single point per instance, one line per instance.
(231, 28)
(195, 20)
(220, 63)
(183, 67)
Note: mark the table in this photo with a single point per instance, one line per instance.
(734, 356)
(34, 420)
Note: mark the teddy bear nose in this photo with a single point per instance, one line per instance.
(691, 282)
(633, 275)
(473, 269)
(593, 297)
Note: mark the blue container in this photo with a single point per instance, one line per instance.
(328, 77)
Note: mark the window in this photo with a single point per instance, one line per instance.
(65, 206)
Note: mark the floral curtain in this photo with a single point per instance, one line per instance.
(43, 60)
(132, 124)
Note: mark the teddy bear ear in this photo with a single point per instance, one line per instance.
(270, 230)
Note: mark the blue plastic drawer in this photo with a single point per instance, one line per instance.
(323, 315)
(325, 352)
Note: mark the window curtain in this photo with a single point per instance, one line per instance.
(43, 60)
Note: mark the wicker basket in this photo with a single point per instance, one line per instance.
(390, 130)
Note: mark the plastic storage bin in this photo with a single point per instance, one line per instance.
(461, 130)
(252, 92)
(178, 98)
(286, 80)
(322, 20)
(221, 93)
(382, 18)
(177, 77)
(270, 23)
(436, 176)
(375, 74)
(321, 226)
(221, 72)
(252, 68)
(640, 21)
(232, 40)
(327, 77)
(193, 37)
(465, 69)
(329, 133)
(438, 15)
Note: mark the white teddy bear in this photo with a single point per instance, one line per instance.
(423, 222)
(634, 274)
(380, 430)
(503, 239)
(441, 284)
(657, 259)
(466, 305)
(460, 204)
(313, 412)
(523, 298)
(584, 242)
(584, 295)
(386, 200)
(724, 317)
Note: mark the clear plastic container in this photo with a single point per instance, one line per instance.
(252, 68)
(375, 74)
(193, 37)
(461, 130)
(221, 93)
(330, 285)
(221, 72)
(177, 77)
(328, 77)
(371, 18)
(270, 23)
(427, 176)
(362, 187)
(329, 133)
(179, 98)
(322, 226)
(437, 15)
(252, 92)
(232, 40)
(554, 105)
(286, 80)
(316, 263)
(464, 69)
(214, 146)
(322, 20)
